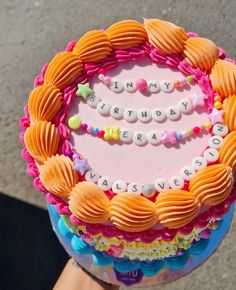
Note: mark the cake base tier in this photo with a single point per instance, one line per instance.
(136, 278)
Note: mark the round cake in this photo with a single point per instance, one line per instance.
(131, 135)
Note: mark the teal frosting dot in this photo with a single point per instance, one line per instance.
(177, 262)
(199, 247)
(151, 268)
(63, 229)
(79, 246)
(124, 265)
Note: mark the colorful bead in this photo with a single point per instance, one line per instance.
(74, 122)
(102, 71)
(95, 131)
(84, 127)
(101, 77)
(106, 80)
(141, 85)
(207, 125)
(196, 130)
(176, 84)
(101, 133)
(179, 136)
(217, 99)
(218, 105)
(90, 129)
(189, 78)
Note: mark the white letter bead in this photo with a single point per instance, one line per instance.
(154, 137)
(162, 184)
(199, 163)
(220, 129)
(166, 86)
(144, 115)
(119, 186)
(211, 154)
(116, 86)
(187, 172)
(215, 142)
(117, 112)
(104, 183)
(176, 182)
(135, 188)
(92, 101)
(158, 114)
(126, 136)
(140, 138)
(103, 108)
(130, 86)
(91, 176)
(173, 113)
(153, 86)
(185, 105)
(130, 115)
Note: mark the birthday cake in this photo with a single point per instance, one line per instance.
(131, 135)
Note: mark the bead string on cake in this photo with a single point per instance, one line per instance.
(151, 86)
(209, 155)
(140, 138)
(159, 114)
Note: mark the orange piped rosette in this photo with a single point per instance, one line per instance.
(201, 52)
(176, 208)
(132, 213)
(44, 102)
(228, 151)
(165, 36)
(229, 107)
(93, 46)
(89, 203)
(212, 185)
(42, 140)
(126, 33)
(57, 175)
(223, 78)
(64, 68)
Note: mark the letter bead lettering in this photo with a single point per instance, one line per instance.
(162, 184)
(187, 172)
(117, 112)
(154, 137)
(135, 188)
(144, 115)
(158, 114)
(116, 86)
(199, 163)
(91, 176)
(140, 138)
(93, 101)
(220, 129)
(185, 105)
(153, 86)
(126, 136)
(176, 182)
(104, 183)
(130, 86)
(211, 154)
(130, 115)
(215, 142)
(173, 113)
(103, 108)
(166, 86)
(119, 186)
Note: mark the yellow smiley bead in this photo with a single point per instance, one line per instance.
(74, 122)
(218, 105)
(208, 125)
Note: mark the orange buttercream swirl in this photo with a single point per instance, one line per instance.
(223, 78)
(57, 175)
(228, 151)
(212, 185)
(229, 107)
(93, 46)
(176, 208)
(63, 69)
(201, 52)
(125, 34)
(132, 213)
(42, 140)
(44, 103)
(89, 203)
(165, 36)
